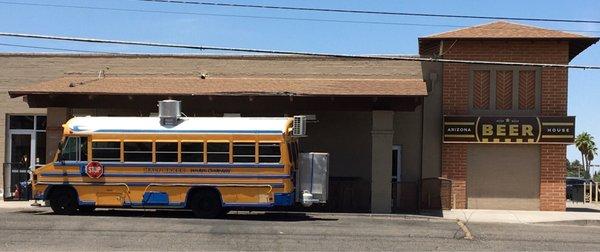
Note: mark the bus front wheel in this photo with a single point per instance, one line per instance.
(64, 201)
(206, 204)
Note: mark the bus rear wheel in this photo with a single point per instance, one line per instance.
(206, 204)
(64, 201)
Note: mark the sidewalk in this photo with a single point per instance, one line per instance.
(577, 213)
(16, 204)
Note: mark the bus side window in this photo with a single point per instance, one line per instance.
(269, 153)
(192, 152)
(138, 151)
(217, 152)
(106, 151)
(166, 152)
(244, 152)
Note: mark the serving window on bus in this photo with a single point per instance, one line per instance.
(192, 152)
(106, 151)
(173, 151)
(218, 152)
(269, 152)
(166, 151)
(137, 151)
(244, 152)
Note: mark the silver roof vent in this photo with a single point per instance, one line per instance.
(169, 112)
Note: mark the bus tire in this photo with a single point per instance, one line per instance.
(206, 204)
(64, 201)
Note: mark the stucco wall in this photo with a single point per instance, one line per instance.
(24, 69)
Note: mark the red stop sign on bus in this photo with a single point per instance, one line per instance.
(94, 169)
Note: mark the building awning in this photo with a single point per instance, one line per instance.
(225, 86)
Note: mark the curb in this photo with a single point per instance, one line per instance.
(366, 215)
(592, 223)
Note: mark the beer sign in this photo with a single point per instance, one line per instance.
(509, 129)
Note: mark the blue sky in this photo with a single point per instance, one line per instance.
(332, 37)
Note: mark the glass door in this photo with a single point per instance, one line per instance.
(26, 138)
(19, 162)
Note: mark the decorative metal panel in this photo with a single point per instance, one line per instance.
(481, 89)
(504, 90)
(526, 90)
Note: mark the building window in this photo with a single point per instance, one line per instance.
(40, 122)
(27, 126)
(166, 152)
(269, 153)
(244, 152)
(40, 147)
(504, 90)
(137, 151)
(217, 152)
(106, 151)
(22, 122)
(192, 152)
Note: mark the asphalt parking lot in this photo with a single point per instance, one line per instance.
(39, 229)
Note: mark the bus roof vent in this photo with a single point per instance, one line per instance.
(299, 126)
(169, 112)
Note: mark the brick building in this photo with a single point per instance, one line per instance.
(506, 91)
(403, 136)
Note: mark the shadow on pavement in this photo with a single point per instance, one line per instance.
(582, 209)
(233, 215)
(432, 213)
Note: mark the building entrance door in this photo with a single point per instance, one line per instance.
(26, 139)
(19, 161)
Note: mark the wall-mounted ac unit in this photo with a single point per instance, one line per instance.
(299, 126)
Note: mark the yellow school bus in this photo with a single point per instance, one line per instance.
(209, 165)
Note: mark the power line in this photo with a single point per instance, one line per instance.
(261, 17)
(373, 12)
(236, 16)
(264, 51)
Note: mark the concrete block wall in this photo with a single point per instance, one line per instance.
(553, 103)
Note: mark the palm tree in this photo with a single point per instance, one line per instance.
(592, 152)
(586, 145)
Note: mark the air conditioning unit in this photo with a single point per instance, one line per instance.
(299, 126)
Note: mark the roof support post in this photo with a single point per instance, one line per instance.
(382, 136)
